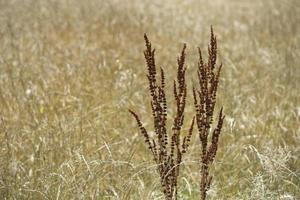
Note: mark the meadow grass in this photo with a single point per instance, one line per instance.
(70, 69)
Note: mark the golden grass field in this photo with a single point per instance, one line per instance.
(70, 70)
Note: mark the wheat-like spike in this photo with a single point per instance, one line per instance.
(164, 106)
(215, 138)
(143, 131)
(187, 139)
(212, 50)
(180, 91)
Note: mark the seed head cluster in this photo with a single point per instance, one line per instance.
(168, 147)
(204, 102)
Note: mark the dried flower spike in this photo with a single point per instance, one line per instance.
(167, 149)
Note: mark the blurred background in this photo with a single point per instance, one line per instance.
(70, 69)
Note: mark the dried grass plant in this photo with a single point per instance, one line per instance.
(204, 101)
(168, 152)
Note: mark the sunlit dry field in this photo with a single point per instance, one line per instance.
(70, 70)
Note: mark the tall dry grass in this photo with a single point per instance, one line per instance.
(70, 69)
